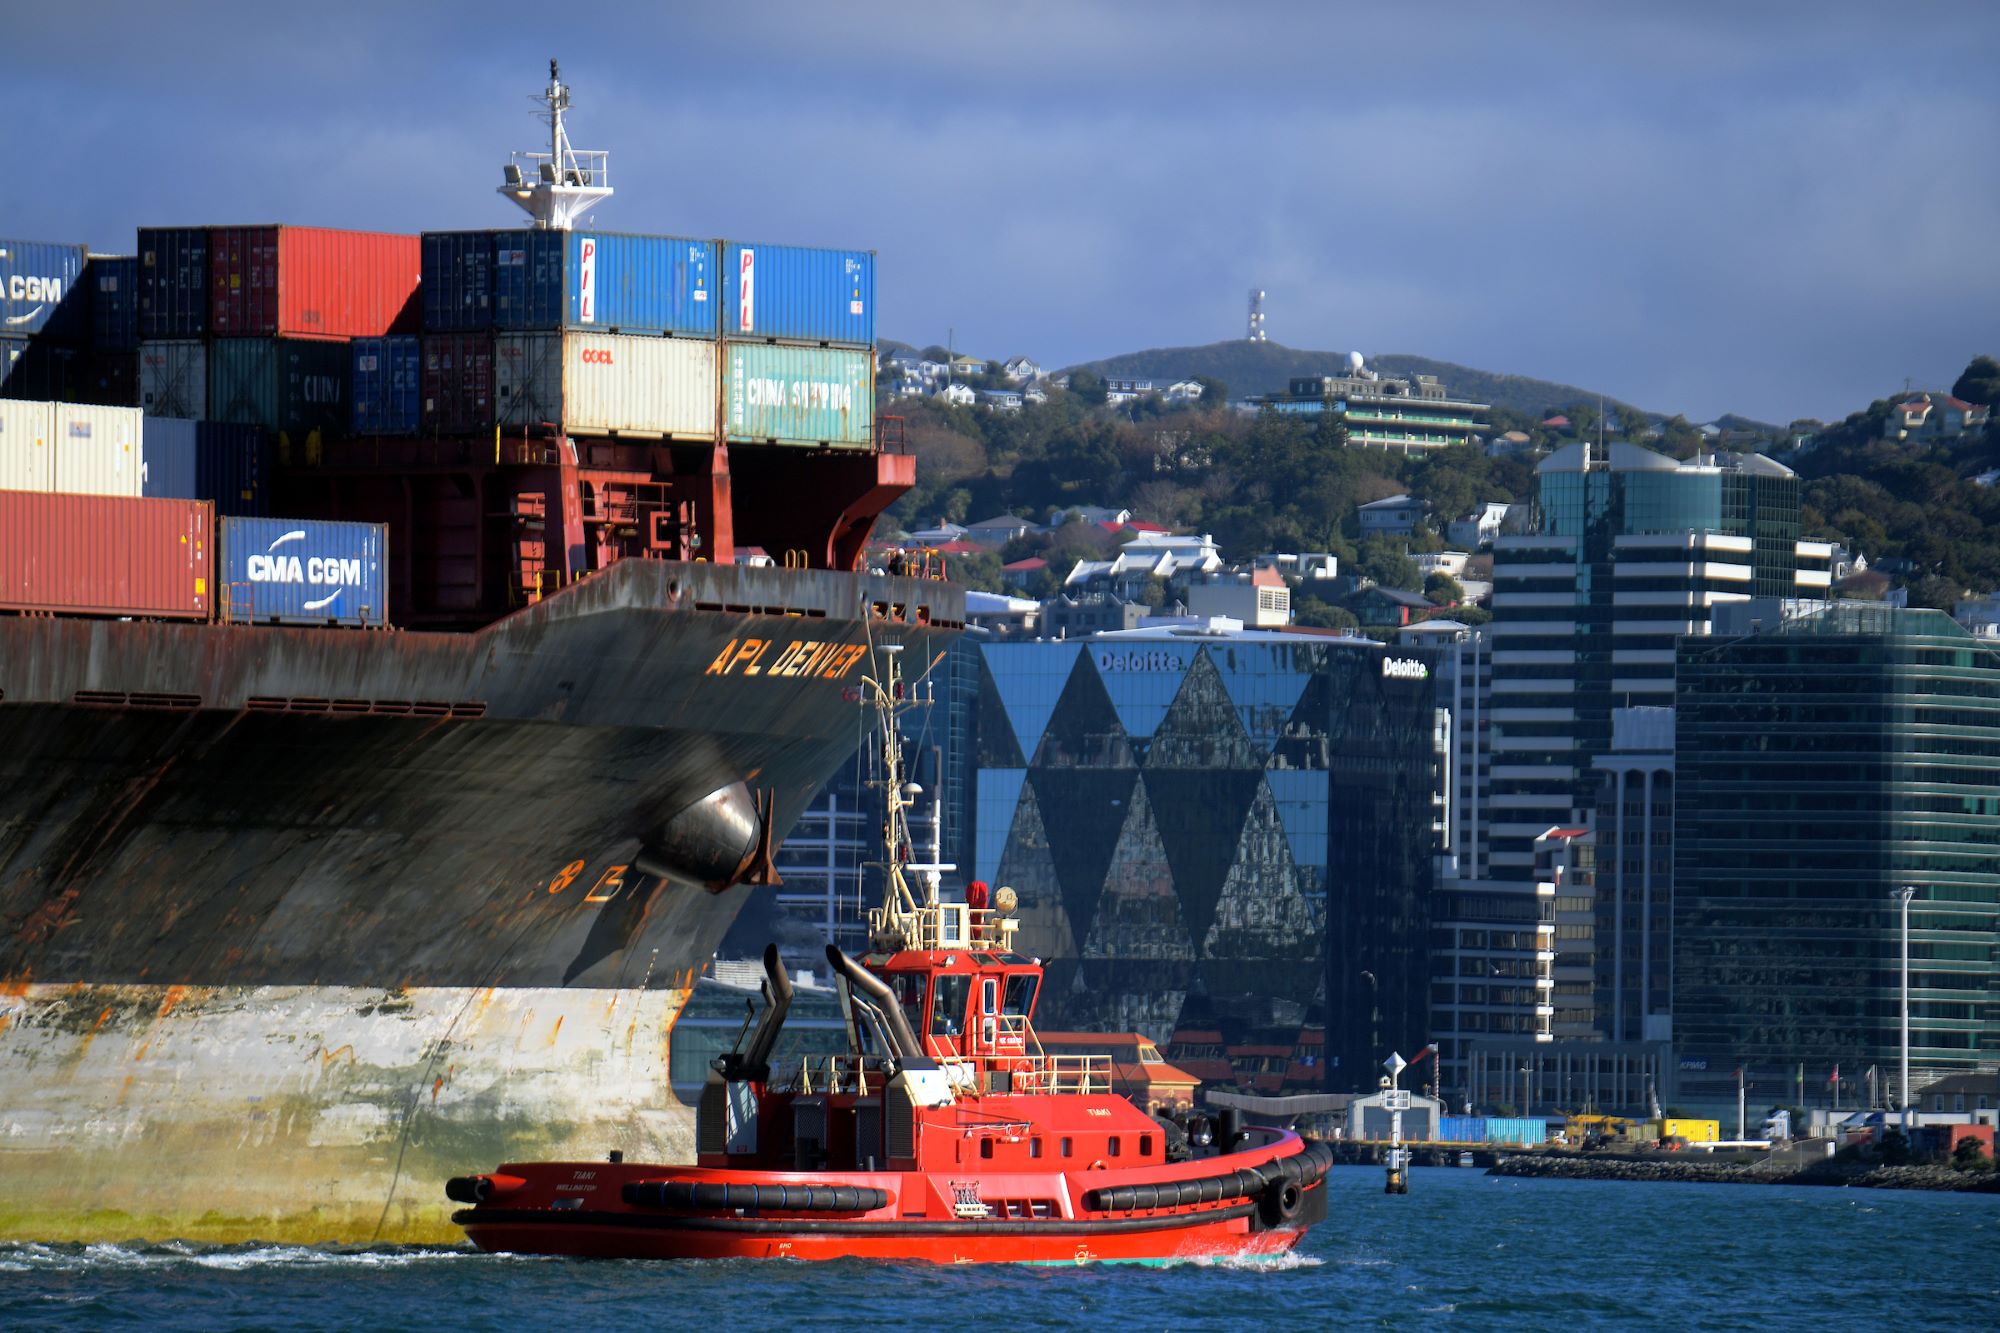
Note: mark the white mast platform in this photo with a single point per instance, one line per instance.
(558, 187)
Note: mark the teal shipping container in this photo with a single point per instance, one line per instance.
(795, 293)
(1526, 1131)
(294, 385)
(777, 394)
(604, 281)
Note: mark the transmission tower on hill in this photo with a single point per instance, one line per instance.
(1256, 333)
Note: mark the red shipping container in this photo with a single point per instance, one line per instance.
(312, 282)
(106, 555)
(458, 383)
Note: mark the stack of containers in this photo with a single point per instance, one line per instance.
(112, 368)
(798, 345)
(44, 319)
(251, 324)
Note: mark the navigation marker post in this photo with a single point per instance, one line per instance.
(1397, 1100)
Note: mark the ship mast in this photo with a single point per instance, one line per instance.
(558, 187)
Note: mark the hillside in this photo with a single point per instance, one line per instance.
(1254, 368)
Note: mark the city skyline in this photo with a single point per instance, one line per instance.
(1698, 214)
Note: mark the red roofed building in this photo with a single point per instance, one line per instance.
(1556, 422)
(1018, 573)
(1138, 525)
(1935, 416)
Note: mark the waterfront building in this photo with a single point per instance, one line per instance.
(1217, 831)
(1407, 413)
(1823, 762)
(1635, 876)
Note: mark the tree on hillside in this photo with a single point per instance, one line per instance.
(1214, 393)
(1087, 388)
(1388, 564)
(1310, 611)
(1444, 590)
(1980, 382)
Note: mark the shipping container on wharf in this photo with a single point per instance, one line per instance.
(388, 385)
(305, 572)
(293, 385)
(173, 378)
(797, 293)
(105, 555)
(311, 282)
(225, 464)
(173, 282)
(42, 290)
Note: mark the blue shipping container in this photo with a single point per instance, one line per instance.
(1461, 1129)
(458, 281)
(1524, 1130)
(305, 571)
(173, 282)
(612, 283)
(228, 465)
(113, 281)
(42, 291)
(793, 293)
(388, 385)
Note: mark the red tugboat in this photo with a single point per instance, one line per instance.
(944, 1133)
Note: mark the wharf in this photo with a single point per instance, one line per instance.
(1761, 1170)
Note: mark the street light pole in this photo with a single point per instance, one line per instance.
(1903, 896)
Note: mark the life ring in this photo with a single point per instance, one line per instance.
(1097, 1165)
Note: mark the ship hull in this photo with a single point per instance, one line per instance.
(331, 907)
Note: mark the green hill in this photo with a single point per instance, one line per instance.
(1254, 368)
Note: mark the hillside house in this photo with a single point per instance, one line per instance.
(1020, 370)
(1394, 517)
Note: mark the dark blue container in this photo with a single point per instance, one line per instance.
(42, 291)
(40, 369)
(545, 281)
(458, 281)
(388, 385)
(113, 282)
(228, 465)
(794, 293)
(304, 572)
(173, 282)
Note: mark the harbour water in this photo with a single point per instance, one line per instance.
(1462, 1251)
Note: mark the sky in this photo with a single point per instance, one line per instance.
(1779, 210)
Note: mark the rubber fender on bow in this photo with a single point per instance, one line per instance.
(1242, 1184)
(1280, 1203)
(727, 1196)
(476, 1190)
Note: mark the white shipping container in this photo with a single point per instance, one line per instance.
(26, 452)
(606, 384)
(173, 379)
(98, 450)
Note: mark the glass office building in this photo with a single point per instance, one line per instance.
(1224, 833)
(1824, 762)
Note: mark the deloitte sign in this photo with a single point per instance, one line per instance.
(1404, 668)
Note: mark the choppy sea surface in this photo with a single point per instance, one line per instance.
(1461, 1251)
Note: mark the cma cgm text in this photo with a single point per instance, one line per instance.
(21, 287)
(326, 571)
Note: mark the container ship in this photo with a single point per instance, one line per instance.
(396, 690)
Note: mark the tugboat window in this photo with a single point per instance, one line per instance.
(1034, 1147)
(909, 988)
(1020, 995)
(1114, 1145)
(948, 997)
(1065, 1148)
(986, 1147)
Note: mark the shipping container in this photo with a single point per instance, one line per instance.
(40, 368)
(169, 469)
(1462, 1129)
(173, 282)
(113, 281)
(294, 385)
(42, 290)
(795, 293)
(110, 378)
(388, 385)
(546, 280)
(458, 281)
(1525, 1131)
(798, 395)
(105, 555)
(27, 448)
(605, 384)
(1694, 1131)
(304, 572)
(311, 282)
(98, 450)
(458, 382)
(173, 379)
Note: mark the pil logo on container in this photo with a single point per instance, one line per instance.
(746, 290)
(276, 566)
(586, 280)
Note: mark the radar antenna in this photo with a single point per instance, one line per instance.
(558, 187)
(1256, 333)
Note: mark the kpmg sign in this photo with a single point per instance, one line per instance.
(1404, 668)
